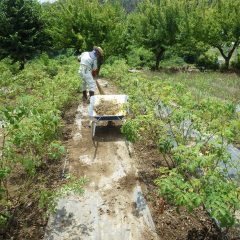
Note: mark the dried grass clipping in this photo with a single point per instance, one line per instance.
(108, 107)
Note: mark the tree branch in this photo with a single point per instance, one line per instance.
(233, 48)
(221, 51)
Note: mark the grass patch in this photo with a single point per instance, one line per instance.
(205, 84)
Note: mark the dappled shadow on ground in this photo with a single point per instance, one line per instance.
(108, 133)
(204, 234)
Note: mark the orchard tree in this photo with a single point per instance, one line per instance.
(86, 23)
(155, 26)
(189, 46)
(22, 30)
(218, 25)
(116, 41)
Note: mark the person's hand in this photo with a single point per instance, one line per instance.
(94, 73)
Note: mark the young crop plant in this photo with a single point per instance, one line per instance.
(30, 131)
(48, 198)
(194, 137)
(198, 174)
(196, 148)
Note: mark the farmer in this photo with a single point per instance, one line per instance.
(89, 69)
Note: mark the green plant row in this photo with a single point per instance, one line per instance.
(192, 136)
(30, 111)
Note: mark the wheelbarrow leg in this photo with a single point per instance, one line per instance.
(93, 129)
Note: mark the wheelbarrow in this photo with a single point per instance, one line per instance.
(95, 118)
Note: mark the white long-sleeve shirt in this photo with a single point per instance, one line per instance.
(87, 61)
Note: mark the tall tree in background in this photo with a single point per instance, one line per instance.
(189, 46)
(154, 25)
(85, 23)
(218, 25)
(22, 32)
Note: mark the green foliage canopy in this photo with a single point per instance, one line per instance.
(86, 23)
(22, 30)
(217, 24)
(155, 26)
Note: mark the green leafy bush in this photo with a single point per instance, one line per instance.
(236, 64)
(139, 57)
(56, 150)
(173, 61)
(131, 130)
(116, 70)
(208, 61)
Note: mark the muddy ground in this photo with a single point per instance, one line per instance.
(113, 206)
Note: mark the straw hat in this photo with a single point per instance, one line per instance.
(99, 49)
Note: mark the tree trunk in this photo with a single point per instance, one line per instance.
(159, 56)
(229, 55)
(227, 63)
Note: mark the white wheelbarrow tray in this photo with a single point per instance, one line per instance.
(95, 100)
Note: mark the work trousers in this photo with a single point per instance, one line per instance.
(88, 83)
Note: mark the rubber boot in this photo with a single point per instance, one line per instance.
(91, 93)
(84, 95)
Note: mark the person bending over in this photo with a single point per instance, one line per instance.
(88, 69)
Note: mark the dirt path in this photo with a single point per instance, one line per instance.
(113, 206)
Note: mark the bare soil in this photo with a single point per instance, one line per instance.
(28, 221)
(111, 191)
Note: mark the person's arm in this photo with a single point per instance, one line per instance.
(94, 70)
(95, 66)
